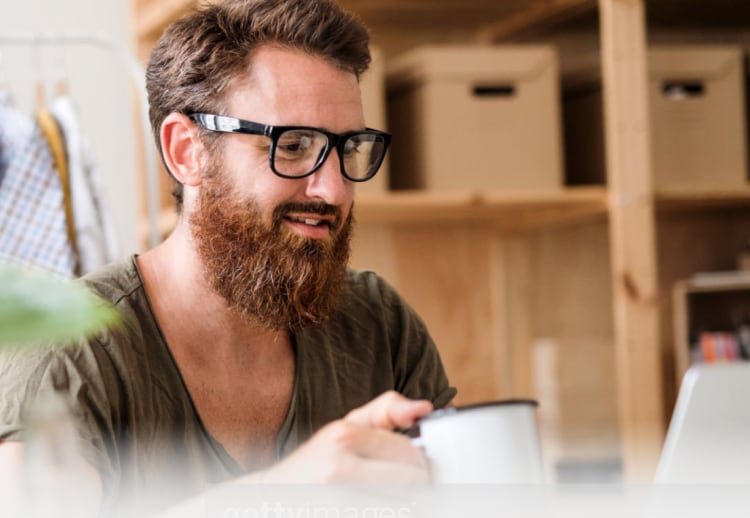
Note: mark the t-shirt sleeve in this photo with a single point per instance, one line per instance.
(46, 390)
(419, 371)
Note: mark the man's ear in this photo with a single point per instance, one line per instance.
(182, 148)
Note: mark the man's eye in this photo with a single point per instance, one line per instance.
(295, 143)
(352, 146)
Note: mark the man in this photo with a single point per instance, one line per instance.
(247, 346)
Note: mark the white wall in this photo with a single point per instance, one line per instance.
(98, 82)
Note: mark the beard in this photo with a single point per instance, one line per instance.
(271, 275)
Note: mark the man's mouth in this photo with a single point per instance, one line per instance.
(312, 220)
(312, 225)
(315, 222)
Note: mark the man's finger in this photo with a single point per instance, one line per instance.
(376, 443)
(389, 411)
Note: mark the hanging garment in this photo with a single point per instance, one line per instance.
(32, 215)
(54, 138)
(3, 144)
(95, 237)
(12, 139)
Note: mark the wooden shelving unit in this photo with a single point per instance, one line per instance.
(588, 269)
(709, 303)
(506, 210)
(674, 200)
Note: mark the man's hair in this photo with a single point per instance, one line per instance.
(198, 57)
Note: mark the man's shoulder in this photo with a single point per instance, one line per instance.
(115, 281)
(367, 284)
(371, 298)
(121, 285)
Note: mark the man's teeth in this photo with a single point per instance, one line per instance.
(308, 221)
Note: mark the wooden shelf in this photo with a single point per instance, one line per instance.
(452, 14)
(536, 17)
(677, 201)
(509, 211)
(497, 20)
(490, 19)
(710, 282)
(705, 302)
(512, 212)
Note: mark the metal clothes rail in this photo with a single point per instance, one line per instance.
(137, 75)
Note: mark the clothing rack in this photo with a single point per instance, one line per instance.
(136, 72)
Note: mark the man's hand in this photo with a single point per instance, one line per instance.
(361, 448)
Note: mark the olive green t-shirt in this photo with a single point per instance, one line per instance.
(135, 419)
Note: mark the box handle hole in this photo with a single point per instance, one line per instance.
(495, 91)
(678, 90)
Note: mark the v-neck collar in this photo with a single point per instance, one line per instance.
(226, 459)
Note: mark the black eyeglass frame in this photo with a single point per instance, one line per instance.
(226, 124)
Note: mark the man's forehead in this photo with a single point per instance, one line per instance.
(272, 60)
(285, 83)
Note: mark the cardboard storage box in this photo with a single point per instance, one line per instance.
(372, 86)
(475, 117)
(697, 116)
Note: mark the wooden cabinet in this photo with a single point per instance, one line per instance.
(711, 319)
(561, 295)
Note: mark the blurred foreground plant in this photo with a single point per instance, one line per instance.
(38, 308)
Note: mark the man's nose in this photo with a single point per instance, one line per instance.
(328, 184)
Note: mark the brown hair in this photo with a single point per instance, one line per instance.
(198, 56)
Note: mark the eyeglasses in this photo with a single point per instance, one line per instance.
(298, 151)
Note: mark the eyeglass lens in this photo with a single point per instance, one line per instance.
(299, 151)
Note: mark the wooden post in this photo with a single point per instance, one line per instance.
(633, 235)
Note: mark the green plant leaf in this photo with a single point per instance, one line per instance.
(39, 308)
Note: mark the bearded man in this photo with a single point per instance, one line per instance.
(248, 348)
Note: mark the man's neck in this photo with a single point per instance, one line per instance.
(193, 315)
(240, 376)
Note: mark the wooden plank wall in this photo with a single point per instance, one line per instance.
(489, 300)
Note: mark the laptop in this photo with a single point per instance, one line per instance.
(708, 440)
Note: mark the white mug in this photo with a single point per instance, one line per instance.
(488, 443)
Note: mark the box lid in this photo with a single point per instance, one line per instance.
(705, 62)
(698, 62)
(480, 63)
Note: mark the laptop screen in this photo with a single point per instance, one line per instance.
(708, 440)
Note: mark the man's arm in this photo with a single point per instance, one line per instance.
(360, 448)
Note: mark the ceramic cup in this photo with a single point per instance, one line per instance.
(489, 443)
